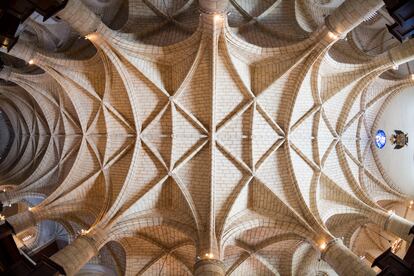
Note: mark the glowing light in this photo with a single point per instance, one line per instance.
(390, 212)
(411, 202)
(27, 238)
(30, 209)
(84, 232)
(209, 255)
(396, 245)
(2, 218)
(217, 17)
(395, 67)
(332, 35)
(322, 246)
(31, 62)
(412, 76)
(90, 37)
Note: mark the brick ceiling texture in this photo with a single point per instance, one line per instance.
(207, 137)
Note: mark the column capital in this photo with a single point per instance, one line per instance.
(75, 255)
(343, 260)
(402, 53)
(4, 199)
(22, 221)
(80, 17)
(209, 267)
(330, 245)
(96, 237)
(5, 75)
(350, 14)
(22, 50)
(398, 226)
(10, 196)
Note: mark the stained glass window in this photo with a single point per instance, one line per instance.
(380, 139)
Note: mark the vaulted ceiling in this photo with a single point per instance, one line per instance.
(246, 135)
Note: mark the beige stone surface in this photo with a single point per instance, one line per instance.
(193, 141)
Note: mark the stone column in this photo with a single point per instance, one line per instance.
(344, 261)
(209, 267)
(402, 53)
(3, 197)
(11, 196)
(22, 221)
(75, 255)
(398, 226)
(5, 75)
(80, 18)
(94, 269)
(22, 50)
(392, 223)
(350, 14)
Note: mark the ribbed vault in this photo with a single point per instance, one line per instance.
(242, 137)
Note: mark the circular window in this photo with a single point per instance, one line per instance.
(380, 139)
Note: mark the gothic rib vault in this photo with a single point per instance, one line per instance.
(206, 141)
